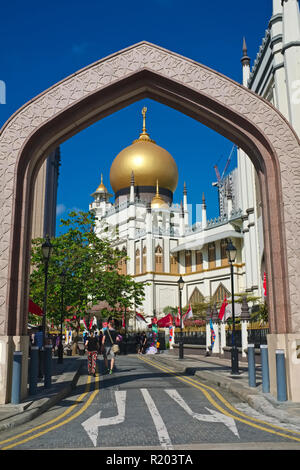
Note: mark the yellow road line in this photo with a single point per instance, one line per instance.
(199, 386)
(78, 413)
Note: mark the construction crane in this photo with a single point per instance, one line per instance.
(220, 178)
(220, 183)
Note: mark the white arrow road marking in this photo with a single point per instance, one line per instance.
(161, 429)
(92, 424)
(214, 417)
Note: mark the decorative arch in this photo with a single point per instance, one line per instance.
(196, 297)
(159, 262)
(220, 294)
(146, 70)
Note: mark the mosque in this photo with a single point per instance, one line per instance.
(154, 232)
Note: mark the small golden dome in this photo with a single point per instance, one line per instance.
(148, 161)
(157, 201)
(101, 188)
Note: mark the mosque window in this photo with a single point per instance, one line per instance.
(220, 294)
(174, 264)
(144, 266)
(211, 255)
(196, 297)
(137, 262)
(159, 259)
(199, 261)
(224, 257)
(188, 261)
(122, 263)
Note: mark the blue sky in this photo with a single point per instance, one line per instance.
(42, 43)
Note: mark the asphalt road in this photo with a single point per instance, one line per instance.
(144, 407)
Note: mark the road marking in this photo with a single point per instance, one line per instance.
(213, 417)
(75, 415)
(248, 419)
(92, 424)
(161, 429)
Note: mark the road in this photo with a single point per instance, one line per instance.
(141, 406)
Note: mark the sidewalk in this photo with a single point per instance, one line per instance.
(217, 372)
(64, 379)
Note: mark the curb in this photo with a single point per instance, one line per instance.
(40, 406)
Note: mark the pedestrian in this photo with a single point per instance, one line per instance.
(143, 341)
(92, 346)
(110, 338)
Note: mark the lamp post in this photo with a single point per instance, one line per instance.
(231, 254)
(46, 251)
(180, 284)
(60, 346)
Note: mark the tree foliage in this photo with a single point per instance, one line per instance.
(91, 267)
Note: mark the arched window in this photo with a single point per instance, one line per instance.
(174, 264)
(220, 294)
(158, 259)
(196, 297)
(211, 255)
(224, 258)
(137, 261)
(122, 263)
(199, 261)
(188, 261)
(144, 265)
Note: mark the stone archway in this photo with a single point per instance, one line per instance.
(146, 70)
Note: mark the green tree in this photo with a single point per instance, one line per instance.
(91, 267)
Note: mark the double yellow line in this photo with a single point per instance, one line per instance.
(58, 418)
(238, 415)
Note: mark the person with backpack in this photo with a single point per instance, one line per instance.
(109, 342)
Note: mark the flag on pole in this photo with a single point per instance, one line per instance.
(213, 334)
(140, 317)
(265, 284)
(34, 308)
(177, 319)
(91, 323)
(84, 322)
(188, 314)
(222, 309)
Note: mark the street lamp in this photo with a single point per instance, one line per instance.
(180, 284)
(46, 251)
(60, 346)
(231, 254)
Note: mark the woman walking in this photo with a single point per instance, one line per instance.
(110, 338)
(92, 348)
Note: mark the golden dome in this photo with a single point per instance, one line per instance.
(148, 161)
(157, 201)
(101, 188)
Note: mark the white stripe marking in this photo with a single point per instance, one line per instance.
(161, 429)
(92, 424)
(214, 417)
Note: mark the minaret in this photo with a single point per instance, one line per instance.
(246, 64)
(131, 197)
(181, 220)
(204, 219)
(291, 54)
(185, 206)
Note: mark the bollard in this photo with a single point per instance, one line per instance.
(48, 366)
(280, 375)
(16, 377)
(251, 366)
(33, 370)
(265, 368)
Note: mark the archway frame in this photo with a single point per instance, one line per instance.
(146, 70)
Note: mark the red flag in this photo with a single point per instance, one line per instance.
(165, 321)
(91, 323)
(265, 284)
(34, 308)
(222, 309)
(177, 319)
